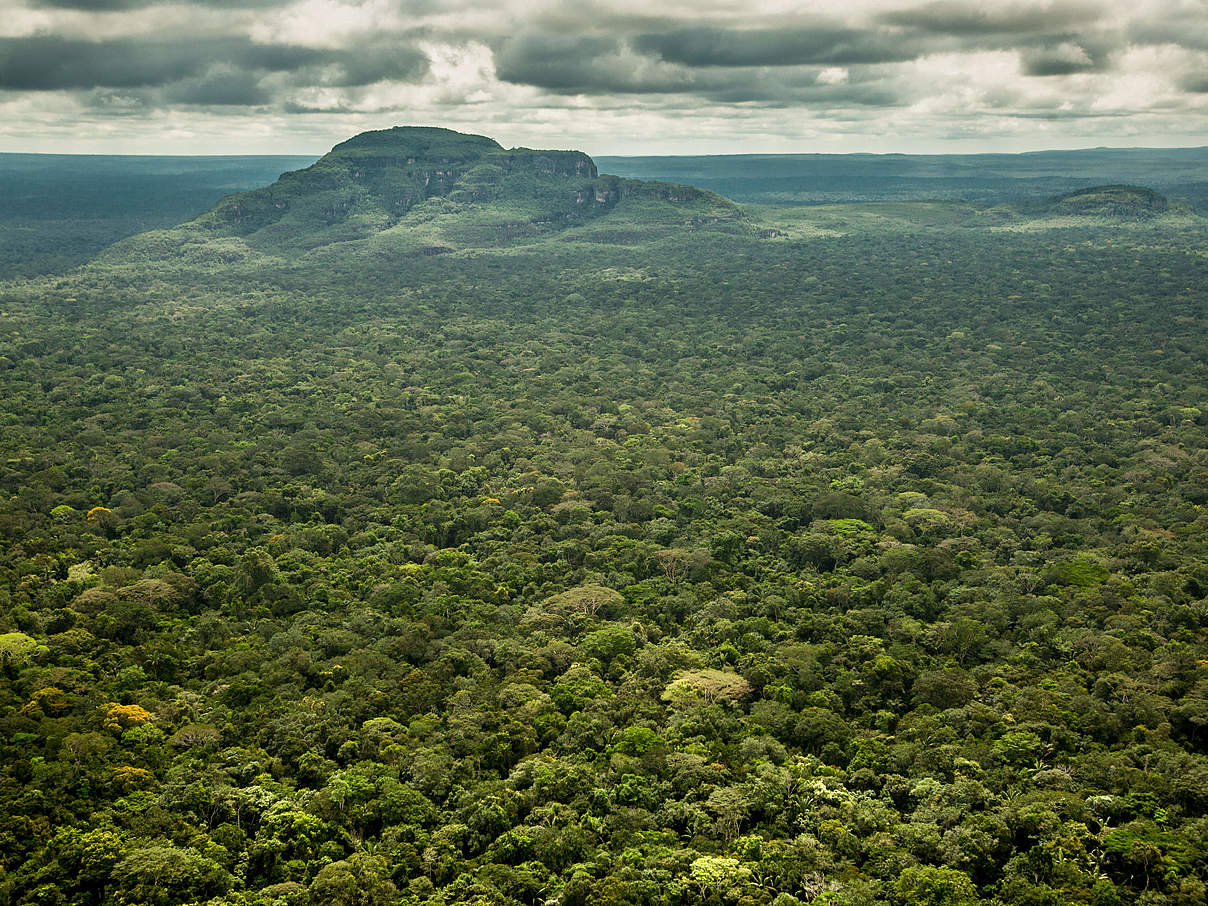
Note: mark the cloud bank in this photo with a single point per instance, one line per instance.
(608, 75)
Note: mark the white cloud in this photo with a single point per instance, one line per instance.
(610, 75)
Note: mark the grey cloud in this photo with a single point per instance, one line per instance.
(98, 6)
(1066, 58)
(813, 94)
(946, 17)
(375, 63)
(103, 6)
(296, 107)
(669, 59)
(219, 89)
(820, 44)
(342, 106)
(1181, 30)
(568, 65)
(607, 66)
(1196, 84)
(47, 62)
(1084, 113)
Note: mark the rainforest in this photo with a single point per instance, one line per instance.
(443, 523)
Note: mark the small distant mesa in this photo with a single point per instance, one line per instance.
(1110, 201)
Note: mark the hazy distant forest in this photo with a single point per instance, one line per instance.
(444, 524)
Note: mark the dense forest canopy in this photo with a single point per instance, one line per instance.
(528, 543)
(58, 211)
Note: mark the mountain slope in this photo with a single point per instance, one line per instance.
(414, 190)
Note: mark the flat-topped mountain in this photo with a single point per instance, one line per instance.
(422, 141)
(425, 191)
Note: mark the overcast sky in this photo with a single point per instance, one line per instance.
(606, 76)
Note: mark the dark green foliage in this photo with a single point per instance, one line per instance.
(1111, 201)
(57, 211)
(643, 561)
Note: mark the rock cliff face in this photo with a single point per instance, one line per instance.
(387, 173)
(430, 188)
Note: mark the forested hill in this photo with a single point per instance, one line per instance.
(421, 191)
(1111, 201)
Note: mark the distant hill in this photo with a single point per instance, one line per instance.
(989, 179)
(1110, 201)
(59, 211)
(423, 191)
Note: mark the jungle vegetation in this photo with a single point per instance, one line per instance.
(528, 536)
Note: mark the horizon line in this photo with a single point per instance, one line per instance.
(316, 156)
